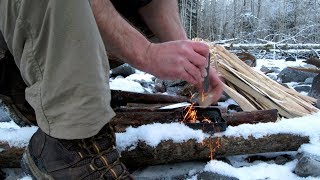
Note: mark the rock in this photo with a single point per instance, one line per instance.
(159, 85)
(123, 70)
(275, 69)
(291, 75)
(318, 103)
(308, 165)
(281, 160)
(290, 59)
(265, 69)
(168, 172)
(215, 176)
(176, 90)
(172, 83)
(272, 76)
(302, 88)
(315, 88)
(309, 80)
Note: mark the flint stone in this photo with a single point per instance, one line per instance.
(292, 75)
(308, 165)
(315, 88)
(124, 70)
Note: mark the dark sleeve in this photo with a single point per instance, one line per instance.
(129, 7)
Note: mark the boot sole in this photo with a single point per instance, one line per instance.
(30, 167)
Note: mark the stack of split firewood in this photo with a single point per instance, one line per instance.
(253, 90)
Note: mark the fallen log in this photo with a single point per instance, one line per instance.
(138, 117)
(170, 152)
(121, 98)
(314, 61)
(313, 70)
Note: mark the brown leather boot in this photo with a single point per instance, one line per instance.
(92, 158)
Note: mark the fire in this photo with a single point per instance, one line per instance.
(191, 114)
(191, 117)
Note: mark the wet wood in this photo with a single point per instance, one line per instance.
(170, 152)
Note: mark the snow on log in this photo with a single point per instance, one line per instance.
(170, 152)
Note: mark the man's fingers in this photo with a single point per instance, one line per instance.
(193, 71)
(197, 59)
(201, 48)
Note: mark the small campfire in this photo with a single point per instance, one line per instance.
(209, 119)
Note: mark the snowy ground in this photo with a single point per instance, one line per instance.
(154, 133)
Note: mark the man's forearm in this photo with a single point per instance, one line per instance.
(162, 17)
(118, 35)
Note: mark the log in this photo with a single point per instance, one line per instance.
(170, 152)
(138, 117)
(312, 70)
(314, 61)
(121, 98)
(10, 156)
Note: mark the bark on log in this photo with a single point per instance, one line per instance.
(121, 98)
(10, 156)
(170, 152)
(138, 117)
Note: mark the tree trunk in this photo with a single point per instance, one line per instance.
(170, 152)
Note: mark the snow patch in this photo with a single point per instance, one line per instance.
(153, 134)
(126, 85)
(258, 171)
(304, 126)
(17, 137)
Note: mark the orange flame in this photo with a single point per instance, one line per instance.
(191, 114)
(191, 117)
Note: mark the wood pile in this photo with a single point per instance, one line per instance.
(253, 90)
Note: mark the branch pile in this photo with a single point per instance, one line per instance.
(253, 90)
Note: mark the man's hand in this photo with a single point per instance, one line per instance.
(183, 59)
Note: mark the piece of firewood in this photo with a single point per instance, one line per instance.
(137, 117)
(170, 152)
(259, 90)
(121, 98)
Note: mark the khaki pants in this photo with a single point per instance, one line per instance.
(59, 51)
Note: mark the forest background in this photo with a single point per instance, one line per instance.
(252, 21)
